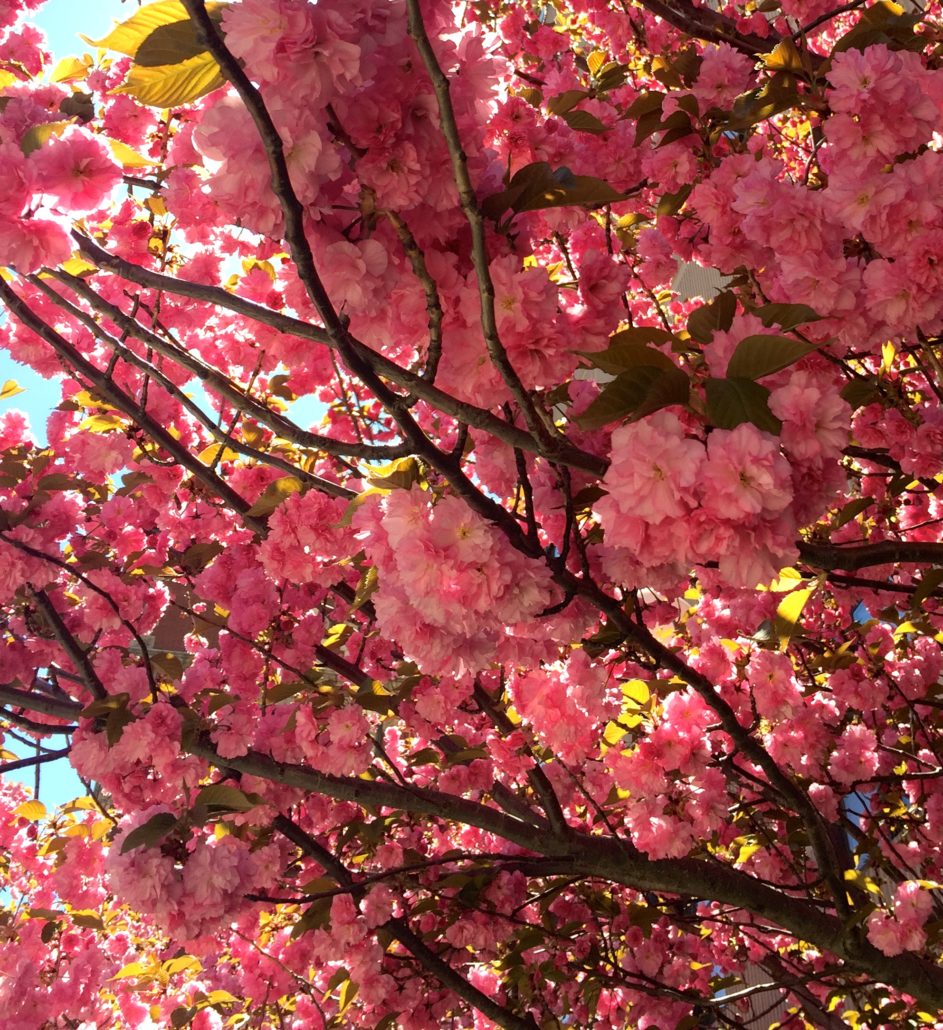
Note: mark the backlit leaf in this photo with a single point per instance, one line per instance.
(36, 136)
(69, 69)
(127, 157)
(401, 474)
(128, 36)
(131, 969)
(174, 43)
(789, 613)
(32, 810)
(273, 495)
(172, 85)
(10, 389)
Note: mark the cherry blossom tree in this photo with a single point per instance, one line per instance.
(457, 618)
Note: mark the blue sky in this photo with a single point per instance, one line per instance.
(62, 21)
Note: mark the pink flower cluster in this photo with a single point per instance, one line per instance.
(452, 590)
(191, 894)
(903, 929)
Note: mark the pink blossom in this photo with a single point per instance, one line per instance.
(745, 475)
(653, 473)
(77, 169)
(855, 758)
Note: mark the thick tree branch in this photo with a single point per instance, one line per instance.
(33, 760)
(851, 557)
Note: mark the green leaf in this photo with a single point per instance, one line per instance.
(223, 797)
(88, 919)
(197, 556)
(929, 582)
(671, 203)
(315, 917)
(860, 392)
(181, 1016)
(885, 23)
(851, 510)
(583, 121)
(786, 316)
(709, 318)
(150, 833)
(366, 588)
(778, 94)
(637, 392)
(762, 355)
(284, 690)
(646, 103)
(537, 186)
(731, 402)
(173, 85)
(628, 349)
(105, 706)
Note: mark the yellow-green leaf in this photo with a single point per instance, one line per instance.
(131, 969)
(172, 85)
(348, 993)
(789, 613)
(636, 693)
(127, 157)
(401, 474)
(10, 389)
(101, 423)
(71, 68)
(78, 266)
(613, 733)
(220, 997)
(171, 44)
(178, 965)
(36, 136)
(217, 452)
(273, 495)
(32, 810)
(127, 36)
